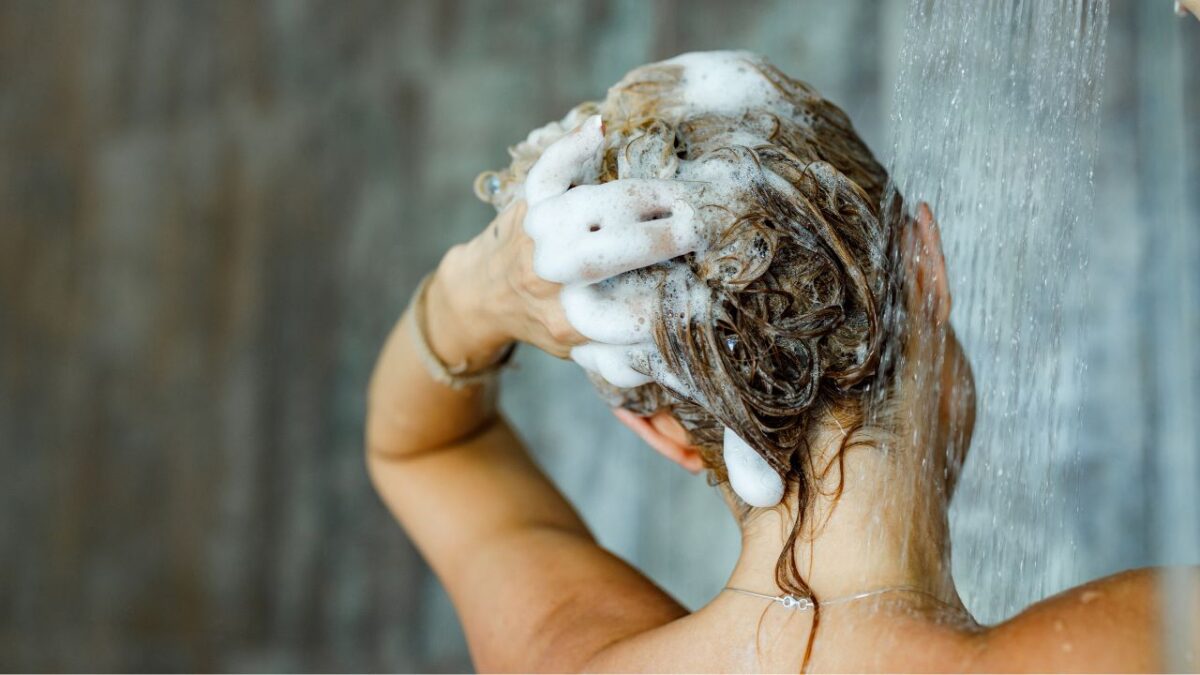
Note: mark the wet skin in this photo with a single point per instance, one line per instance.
(535, 591)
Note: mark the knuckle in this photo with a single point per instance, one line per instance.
(513, 217)
(562, 332)
(528, 280)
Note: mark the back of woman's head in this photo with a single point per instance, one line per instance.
(796, 271)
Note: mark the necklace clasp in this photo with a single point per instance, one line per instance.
(792, 602)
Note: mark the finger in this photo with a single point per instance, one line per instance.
(559, 352)
(559, 327)
(628, 200)
(586, 358)
(618, 311)
(614, 363)
(607, 249)
(592, 234)
(1184, 6)
(568, 160)
(627, 366)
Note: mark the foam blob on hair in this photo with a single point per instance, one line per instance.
(749, 474)
(725, 83)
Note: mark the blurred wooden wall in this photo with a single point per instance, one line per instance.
(210, 215)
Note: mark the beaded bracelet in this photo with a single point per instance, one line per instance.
(455, 377)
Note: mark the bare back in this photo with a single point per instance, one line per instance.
(1111, 624)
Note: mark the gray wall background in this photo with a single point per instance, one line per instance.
(212, 212)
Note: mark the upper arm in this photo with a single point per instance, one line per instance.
(532, 587)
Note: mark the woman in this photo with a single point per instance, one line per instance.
(715, 255)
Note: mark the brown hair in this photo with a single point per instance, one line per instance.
(798, 270)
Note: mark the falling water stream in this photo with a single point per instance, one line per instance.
(995, 125)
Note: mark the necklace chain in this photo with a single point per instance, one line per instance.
(802, 603)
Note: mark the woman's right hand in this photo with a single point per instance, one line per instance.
(486, 295)
(505, 284)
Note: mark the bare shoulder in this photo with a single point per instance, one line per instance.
(1110, 624)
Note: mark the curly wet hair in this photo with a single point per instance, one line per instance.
(798, 269)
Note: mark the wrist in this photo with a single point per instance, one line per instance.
(459, 330)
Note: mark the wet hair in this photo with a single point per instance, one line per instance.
(798, 270)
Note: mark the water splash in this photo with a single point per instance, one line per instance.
(995, 124)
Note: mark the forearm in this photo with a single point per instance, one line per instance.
(529, 581)
(409, 412)
(454, 475)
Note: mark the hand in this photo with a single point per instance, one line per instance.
(485, 295)
(504, 285)
(1184, 6)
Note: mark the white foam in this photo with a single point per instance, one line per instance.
(622, 311)
(598, 240)
(615, 363)
(616, 311)
(749, 474)
(594, 232)
(725, 83)
(649, 154)
(657, 367)
(574, 158)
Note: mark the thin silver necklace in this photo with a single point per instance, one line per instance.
(802, 603)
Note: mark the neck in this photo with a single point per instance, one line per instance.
(887, 528)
